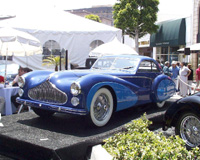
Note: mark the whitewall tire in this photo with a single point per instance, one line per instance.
(101, 107)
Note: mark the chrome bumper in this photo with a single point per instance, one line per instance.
(61, 109)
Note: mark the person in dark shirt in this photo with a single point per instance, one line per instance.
(190, 78)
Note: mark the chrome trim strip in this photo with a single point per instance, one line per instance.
(135, 77)
(61, 109)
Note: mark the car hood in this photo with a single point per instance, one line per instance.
(66, 78)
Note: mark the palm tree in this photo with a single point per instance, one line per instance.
(52, 61)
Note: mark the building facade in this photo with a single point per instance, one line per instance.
(170, 36)
(104, 13)
(195, 57)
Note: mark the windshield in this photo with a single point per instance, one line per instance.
(116, 63)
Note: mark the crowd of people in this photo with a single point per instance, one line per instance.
(182, 75)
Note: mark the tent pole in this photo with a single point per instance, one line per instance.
(66, 60)
(60, 62)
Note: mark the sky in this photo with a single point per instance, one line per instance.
(167, 8)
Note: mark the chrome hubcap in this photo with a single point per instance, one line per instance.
(101, 107)
(190, 131)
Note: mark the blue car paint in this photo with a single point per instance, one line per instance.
(130, 88)
(126, 98)
(33, 79)
(164, 88)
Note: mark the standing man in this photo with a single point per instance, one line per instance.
(198, 75)
(184, 72)
(174, 73)
(166, 69)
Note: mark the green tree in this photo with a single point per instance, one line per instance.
(93, 17)
(136, 17)
(52, 61)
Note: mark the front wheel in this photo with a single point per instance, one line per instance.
(101, 107)
(42, 112)
(188, 128)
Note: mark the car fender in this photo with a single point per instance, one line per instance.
(92, 82)
(191, 104)
(163, 88)
(125, 97)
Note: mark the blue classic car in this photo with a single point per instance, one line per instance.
(112, 84)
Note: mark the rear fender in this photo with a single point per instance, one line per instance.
(163, 88)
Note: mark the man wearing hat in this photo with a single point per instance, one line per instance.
(174, 73)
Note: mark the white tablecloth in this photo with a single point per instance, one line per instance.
(7, 93)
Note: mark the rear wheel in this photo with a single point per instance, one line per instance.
(101, 107)
(188, 128)
(42, 112)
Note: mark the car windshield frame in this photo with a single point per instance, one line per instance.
(117, 63)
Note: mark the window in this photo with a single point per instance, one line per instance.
(51, 47)
(117, 63)
(148, 66)
(154, 67)
(95, 44)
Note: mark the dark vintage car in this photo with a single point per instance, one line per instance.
(184, 115)
(112, 84)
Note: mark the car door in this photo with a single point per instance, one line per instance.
(145, 75)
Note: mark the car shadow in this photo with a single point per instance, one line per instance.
(78, 126)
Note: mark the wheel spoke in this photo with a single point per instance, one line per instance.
(190, 130)
(101, 107)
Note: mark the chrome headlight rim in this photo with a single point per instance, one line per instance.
(75, 88)
(21, 81)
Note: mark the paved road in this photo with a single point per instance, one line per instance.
(116, 123)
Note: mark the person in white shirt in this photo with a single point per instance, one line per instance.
(184, 72)
(21, 71)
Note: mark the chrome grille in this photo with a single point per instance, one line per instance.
(48, 93)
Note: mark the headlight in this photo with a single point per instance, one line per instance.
(75, 88)
(75, 101)
(21, 81)
(21, 92)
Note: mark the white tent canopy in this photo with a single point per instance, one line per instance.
(73, 33)
(194, 47)
(115, 47)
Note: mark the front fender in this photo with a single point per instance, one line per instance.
(188, 104)
(125, 96)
